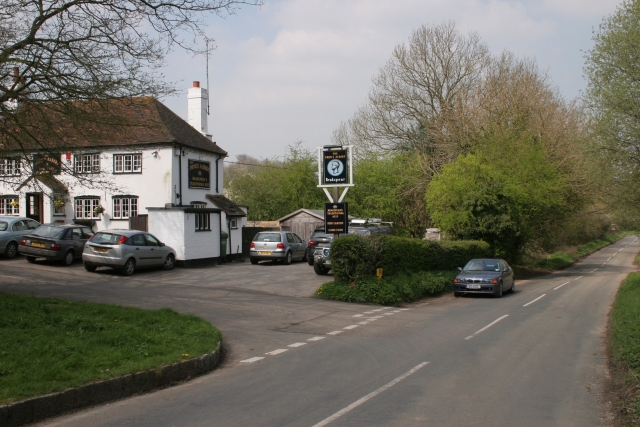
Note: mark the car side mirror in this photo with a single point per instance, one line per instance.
(459, 268)
(162, 244)
(506, 270)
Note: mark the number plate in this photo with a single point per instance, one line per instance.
(38, 245)
(264, 253)
(102, 250)
(473, 287)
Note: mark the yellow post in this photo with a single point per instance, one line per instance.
(379, 273)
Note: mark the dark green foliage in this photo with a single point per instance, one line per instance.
(389, 290)
(625, 323)
(358, 257)
(49, 345)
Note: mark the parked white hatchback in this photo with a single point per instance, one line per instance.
(127, 250)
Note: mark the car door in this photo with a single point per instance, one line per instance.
(507, 275)
(300, 243)
(293, 246)
(156, 252)
(141, 252)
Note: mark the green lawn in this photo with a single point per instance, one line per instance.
(625, 346)
(49, 345)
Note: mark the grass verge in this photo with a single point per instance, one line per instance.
(50, 345)
(624, 329)
(391, 290)
(559, 260)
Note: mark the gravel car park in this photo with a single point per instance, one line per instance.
(127, 250)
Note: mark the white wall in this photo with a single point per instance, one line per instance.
(168, 226)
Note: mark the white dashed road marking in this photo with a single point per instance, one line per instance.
(364, 323)
(578, 278)
(316, 338)
(351, 327)
(334, 332)
(558, 287)
(387, 314)
(486, 327)
(358, 315)
(278, 351)
(253, 359)
(593, 270)
(297, 344)
(367, 397)
(531, 302)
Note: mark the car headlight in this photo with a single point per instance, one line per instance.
(326, 252)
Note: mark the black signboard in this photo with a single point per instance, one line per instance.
(46, 164)
(336, 219)
(335, 167)
(199, 174)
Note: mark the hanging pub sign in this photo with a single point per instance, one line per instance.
(45, 164)
(335, 167)
(336, 220)
(199, 174)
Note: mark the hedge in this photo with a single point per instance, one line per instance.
(357, 257)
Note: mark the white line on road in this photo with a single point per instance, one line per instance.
(367, 397)
(253, 359)
(386, 308)
(334, 333)
(613, 255)
(316, 338)
(364, 322)
(609, 259)
(593, 270)
(388, 314)
(531, 302)
(278, 351)
(358, 315)
(486, 327)
(297, 344)
(351, 327)
(379, 309)
(368, 312)
(558, 287)
(404, 309)
(580, 277)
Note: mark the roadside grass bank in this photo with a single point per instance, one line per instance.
(624, 351)
(392, 290)
(50, 345)
(558, 260)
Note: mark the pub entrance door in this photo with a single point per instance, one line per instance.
(34, 206)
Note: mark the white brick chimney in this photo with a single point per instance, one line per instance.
(197, 109)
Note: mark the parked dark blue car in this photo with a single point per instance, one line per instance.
(485, 276)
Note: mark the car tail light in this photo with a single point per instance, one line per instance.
(22, 242)
(280, 246)
(122, 240)
(55, 247)
(312, 242)
(253, 245)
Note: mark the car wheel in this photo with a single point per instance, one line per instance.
(254, 261)
(68, 258)
(90, 267)
(499, 291)
(31, 259)
(320, 270)
(310, 261)
(169, 262)
(513, 287)
(129, 267)
(11, 251)
(288, 259)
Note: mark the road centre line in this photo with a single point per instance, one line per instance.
(368, 396)
(334, 332)
(593, 270)
(278, 351)
(316, 338)
(363, 322)
(357, 315)
(351, 327)
(486, 327)
(579, 277)
(531, 302)
(297, 344)
(558, 287)
(253, 359)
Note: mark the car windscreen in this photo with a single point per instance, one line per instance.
(3, 226)
(482, 265)
(267, 237)
(105, 239)
(49, 232)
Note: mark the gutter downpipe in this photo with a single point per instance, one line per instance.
(180, 175)
(217, 176)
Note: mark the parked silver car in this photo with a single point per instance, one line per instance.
(55, 242)
(12, 228)
(282, 246)
(127, 250)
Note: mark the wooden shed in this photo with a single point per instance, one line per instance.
(302, 222)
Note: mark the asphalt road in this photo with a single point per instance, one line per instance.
(533, 358)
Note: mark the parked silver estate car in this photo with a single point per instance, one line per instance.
(55, 242)
(127, 250)
(282, 246)
(12, 228)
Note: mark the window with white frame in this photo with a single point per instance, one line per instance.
(203, 222)
(86, 163)
(125, 207)
(9, 205)
(9, 167)
(86, 207)
(233, 223)
(127, 163)
(198, 204)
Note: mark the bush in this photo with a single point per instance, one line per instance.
(403, 287)
(357, 257)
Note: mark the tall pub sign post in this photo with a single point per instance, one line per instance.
(335, 170)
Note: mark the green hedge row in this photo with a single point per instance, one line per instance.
(357, 257)
(389, 290)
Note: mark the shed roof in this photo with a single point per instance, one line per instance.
(318, 213)
(230, 208)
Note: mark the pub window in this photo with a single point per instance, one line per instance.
(127, 163)
(198, 204)
(203, 222)
(87, 208)
(9, 167)
(59, 202)
(9, 205)
(87, 163)
(233, 223)
(125, 207)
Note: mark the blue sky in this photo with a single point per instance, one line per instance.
(292, 70)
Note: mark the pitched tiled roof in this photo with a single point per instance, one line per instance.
(113, 123)
(230, 208)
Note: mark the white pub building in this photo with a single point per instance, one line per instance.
(165, 177)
